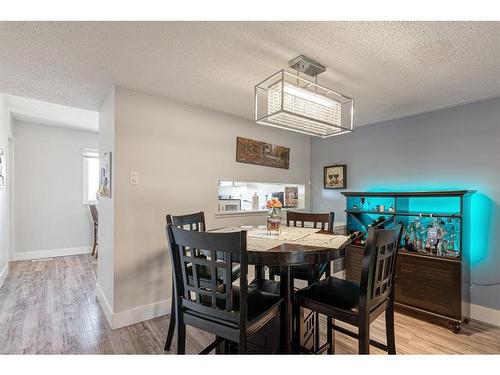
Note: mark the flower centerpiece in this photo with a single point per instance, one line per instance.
(274, 217)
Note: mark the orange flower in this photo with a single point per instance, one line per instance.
(273, 203)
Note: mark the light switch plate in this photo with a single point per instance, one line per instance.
(133, 178)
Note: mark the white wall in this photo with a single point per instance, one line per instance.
(4, 214)
(50, 218)
(180, 153)
(455, 148)
(105, 267)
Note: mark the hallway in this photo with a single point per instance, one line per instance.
(49, 307)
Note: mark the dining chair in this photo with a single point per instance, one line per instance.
(232, 313)
(94, 214)
(196, 222)
(357, 304)
(312, 273)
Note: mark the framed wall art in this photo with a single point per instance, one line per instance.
(291, 197)
(261, 153)
(105, 176)
(335, 176)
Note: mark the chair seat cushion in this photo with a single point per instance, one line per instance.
(259, 301)
(334, 292)
(269, 286)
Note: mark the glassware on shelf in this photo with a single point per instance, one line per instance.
(419, 234)
(410, 243)
(431, 236)
(432, 223)
(451, 249)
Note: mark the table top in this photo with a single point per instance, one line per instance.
(293, 246)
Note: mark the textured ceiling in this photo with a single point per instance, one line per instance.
(392, 69)
(41, 112)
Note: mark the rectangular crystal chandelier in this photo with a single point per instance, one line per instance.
(290, 102)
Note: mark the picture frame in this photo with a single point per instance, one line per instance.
(105, 177)
(335, 176)
(291, 197)
(260, 153)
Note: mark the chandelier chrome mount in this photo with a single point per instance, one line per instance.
(288, 101)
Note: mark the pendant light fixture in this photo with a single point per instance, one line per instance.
(292, 102)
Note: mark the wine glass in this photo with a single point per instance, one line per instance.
(330, 177)
(336, 176)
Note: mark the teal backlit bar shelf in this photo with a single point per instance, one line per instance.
(433, 267)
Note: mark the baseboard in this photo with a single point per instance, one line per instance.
(485, 314)
(51, 253)
(140, 314)
(132, 316)
(106, 306)
(4, 273)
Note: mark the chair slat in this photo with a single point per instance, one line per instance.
(228, 282)
(213, 280)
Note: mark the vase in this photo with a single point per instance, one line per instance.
(274, 221)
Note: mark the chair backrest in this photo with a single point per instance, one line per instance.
(317, 220)
(220, 251)
(93, 212)
(379, 266)
(194, 221)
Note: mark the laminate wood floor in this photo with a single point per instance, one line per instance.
(49, 307)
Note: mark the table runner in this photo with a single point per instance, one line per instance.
(259, 240)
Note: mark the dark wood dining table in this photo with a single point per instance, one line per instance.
(293, 247)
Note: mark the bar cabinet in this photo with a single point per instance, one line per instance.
(433, 266)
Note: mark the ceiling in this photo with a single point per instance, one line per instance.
(392, 69)
(41, 112)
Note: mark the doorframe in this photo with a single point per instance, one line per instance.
(10, 190)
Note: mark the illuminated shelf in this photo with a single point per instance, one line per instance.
(422, 214)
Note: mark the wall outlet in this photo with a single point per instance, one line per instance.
(133, 178)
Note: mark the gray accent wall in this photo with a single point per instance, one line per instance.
(454, 148)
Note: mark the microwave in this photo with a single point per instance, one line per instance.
(229, 205)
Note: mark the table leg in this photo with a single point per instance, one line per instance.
(286, 310)
(259, 272)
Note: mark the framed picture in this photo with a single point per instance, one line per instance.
(291, 196)
(2, 168)
(335, 176)
(262, 153)
(105, 176)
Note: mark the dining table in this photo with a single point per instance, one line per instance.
(292, 246)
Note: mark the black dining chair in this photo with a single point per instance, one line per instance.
(357, 304)
(232, 313)
(196, 222)
(312, 273)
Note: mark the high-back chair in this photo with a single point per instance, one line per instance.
(228, 311)
(196, 222)
(358, 305)
(95, 222)
(324, 222)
